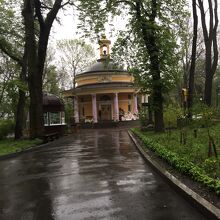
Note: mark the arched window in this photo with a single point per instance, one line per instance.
(104, 49)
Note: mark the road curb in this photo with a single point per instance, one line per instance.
(199, 202)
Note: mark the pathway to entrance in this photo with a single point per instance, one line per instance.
(96, 174)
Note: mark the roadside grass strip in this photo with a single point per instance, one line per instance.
(182, 164)
(10, 146)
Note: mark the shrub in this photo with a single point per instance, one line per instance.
(211, 165)
(143, 117)
(182, 164)
(6, 127)
(171, 114)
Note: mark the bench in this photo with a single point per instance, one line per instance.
(50, 136)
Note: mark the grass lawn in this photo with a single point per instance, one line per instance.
(8, 146)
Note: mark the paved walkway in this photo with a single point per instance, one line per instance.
(92, 175)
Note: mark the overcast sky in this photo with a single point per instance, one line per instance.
(67, 29)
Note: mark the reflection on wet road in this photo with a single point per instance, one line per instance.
(96, 174)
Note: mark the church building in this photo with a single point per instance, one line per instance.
(104, 92)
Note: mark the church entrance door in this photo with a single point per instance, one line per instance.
(105, 113)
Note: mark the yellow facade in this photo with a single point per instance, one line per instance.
(99, 78)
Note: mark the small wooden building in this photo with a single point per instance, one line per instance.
(54, 116)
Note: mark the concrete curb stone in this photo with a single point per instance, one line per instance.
(202, 204)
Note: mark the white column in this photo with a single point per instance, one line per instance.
(116, 110)
(135, 104)
(94, 108)
(76, 109)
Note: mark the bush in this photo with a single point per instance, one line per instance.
(182, 164)
(6, 127)
(211, 166)
(171, 114)
(143, 117)
(68, 112)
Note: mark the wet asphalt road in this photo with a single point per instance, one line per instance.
(91, 175)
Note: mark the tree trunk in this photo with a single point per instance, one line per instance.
(208, 90)
(193, 61)
(149, 37)
(20, 115)
(20, 111)
(211, 52)
(34, 82)
(150, 112)
(36, 59)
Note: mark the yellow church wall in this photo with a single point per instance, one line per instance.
(81, 82)
(121, 91)
(124, 96)
(122, 78)
(87, 109)
(107, 91)
(123, 105)
(100, 78)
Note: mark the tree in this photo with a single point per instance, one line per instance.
(11, 43)
(75, 56)
(148, 29)
(51, 78)
(193, 60)
(8, 89)
(36, 54)
(211, 46)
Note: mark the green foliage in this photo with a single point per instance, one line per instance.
(180, 162)
(11, 27)
(51, 81)
(11, 45)
(68, 111)
(203, 115)
(211, 166)
(75, 56)
(171, 114)
(8, 146)
(167, 27)
(9, 85)
(6, 127)
(143, 116)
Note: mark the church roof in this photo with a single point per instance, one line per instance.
(103, 65)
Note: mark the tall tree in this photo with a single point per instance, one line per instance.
(51, 78)
(148, 29)
(211, 46)
(36, 54)
(193, 60)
